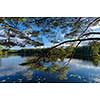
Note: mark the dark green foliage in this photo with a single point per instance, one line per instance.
(83, 52)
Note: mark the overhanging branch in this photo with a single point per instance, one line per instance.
(74, 40)
(91, 33)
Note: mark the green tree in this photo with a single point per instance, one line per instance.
(74, 29)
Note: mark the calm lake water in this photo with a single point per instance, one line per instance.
(80, 72)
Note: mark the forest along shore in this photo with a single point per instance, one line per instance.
(91, 52)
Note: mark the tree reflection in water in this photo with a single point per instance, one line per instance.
(51, 64)
(46, 65)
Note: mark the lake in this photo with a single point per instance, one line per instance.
(80, 71)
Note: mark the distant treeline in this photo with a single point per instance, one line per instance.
(83, 52)
(90, 52)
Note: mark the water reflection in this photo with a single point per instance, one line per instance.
(47, 70)
(10, 65)
(79, 70)
(29, 74)
(61, 72)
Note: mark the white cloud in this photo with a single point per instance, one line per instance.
(96, 28)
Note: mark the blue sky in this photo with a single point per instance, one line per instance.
(57, 37)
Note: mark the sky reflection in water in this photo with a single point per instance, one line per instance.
(80, 71)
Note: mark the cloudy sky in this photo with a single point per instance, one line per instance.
(58, 37)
